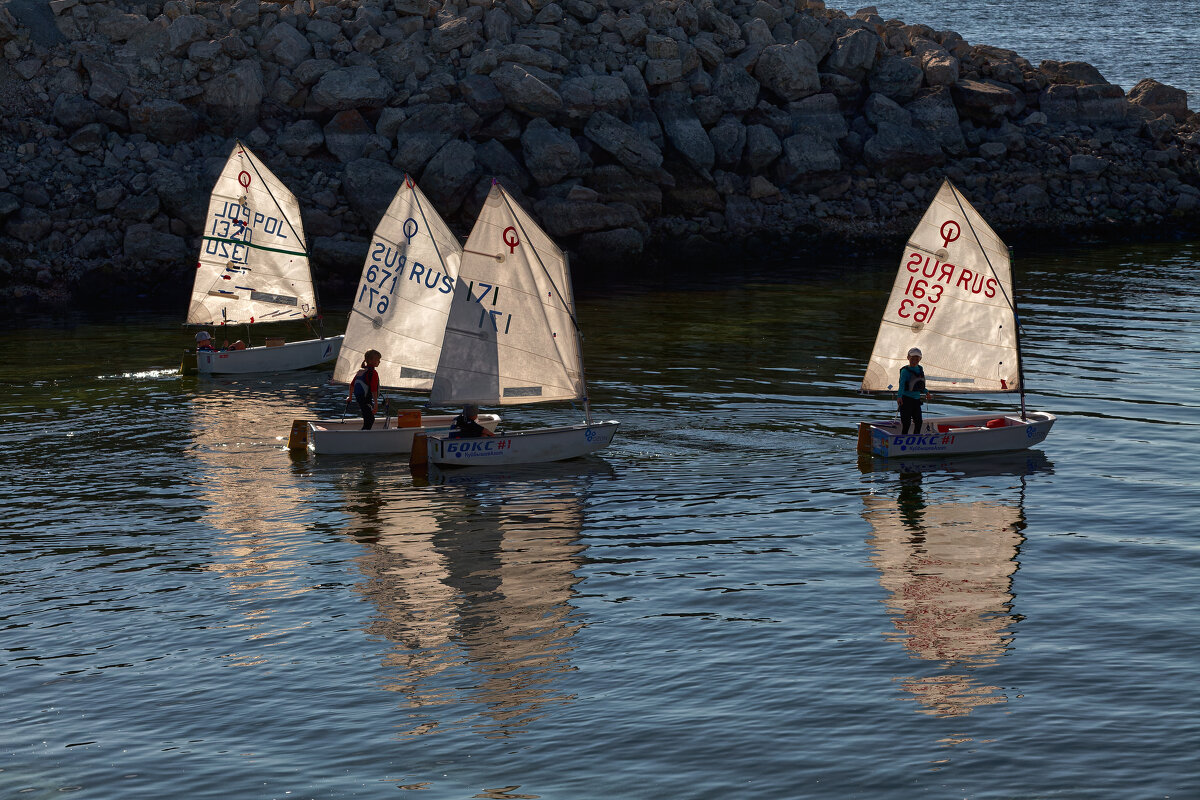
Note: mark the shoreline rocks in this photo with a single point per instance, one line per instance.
(644, 132)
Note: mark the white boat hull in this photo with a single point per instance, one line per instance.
(282, 358)
(346, 437)
(961, 435)
(522, 447)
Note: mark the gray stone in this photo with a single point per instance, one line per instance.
(143, 244)
(584, 96)
(351, 87)
(525, 92)
(450, 176)
(807, 153)
(762, 147)
(616, 243)
(820, 115)
(427, 131)
(1160, 98)
(633, 149)
(854, 53)
(285, 45)
(896, 149)
(494, 159)
(73, 111)
(683, 130)
(896, 77)
(300, 138)
(163, 121)
(369, 186)
(234, 98)
(89, 138)
(1072, 72)
(1081, 163)
(570, 218)
(934, 112)
(339, 256)
(550, 154)
(185, 30)
(347, 135)
(481, 94)
(736, 88)
(1088, 105)
(790, 71)
(987, 101)
(453, 34)
(728, 139)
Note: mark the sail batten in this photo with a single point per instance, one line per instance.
(252, 252)
(952, 299)
(511, 337)
(402, 301)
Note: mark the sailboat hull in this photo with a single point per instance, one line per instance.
(949, 436)
(522, 447)
(281, 358)
(346, 437)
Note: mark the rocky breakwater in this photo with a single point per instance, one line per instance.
(630, 128)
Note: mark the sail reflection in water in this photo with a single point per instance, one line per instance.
(473, 584)
(947, 565)
(257, 515)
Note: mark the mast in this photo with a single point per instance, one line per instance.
(587, 403)
(1017, 322)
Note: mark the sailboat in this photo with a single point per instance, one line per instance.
(400, 309)
(253, 269)
(512, 338)
(953, 299)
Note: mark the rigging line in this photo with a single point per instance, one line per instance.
(1012, 307)
(570, 310)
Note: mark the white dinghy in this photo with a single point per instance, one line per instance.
(400, 309)
(512, 338)
(953, 299)
(253, 269)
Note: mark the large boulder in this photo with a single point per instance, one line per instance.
(143, 244)
(1097, 104)
(525, 92)
(736, 88)
(1073, 72)
(683, 130)
(369, 187)
(987, 101)
(897, 149)
(450, 175)
(1160, 98)
(790, 71)
(163, 120)
(233, 98)
(633, 149)
(854, 53)
(351, 87)
(550, 154)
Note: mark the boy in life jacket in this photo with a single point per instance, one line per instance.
(911, 392)
(364, 389)
(464, 425)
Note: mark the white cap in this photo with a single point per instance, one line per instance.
(915, 352)
(202, 336)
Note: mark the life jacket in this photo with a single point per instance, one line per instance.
(362, 384)
(916, 380)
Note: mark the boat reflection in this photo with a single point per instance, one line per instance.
(472, 581)
(258, 513)
(947, 563)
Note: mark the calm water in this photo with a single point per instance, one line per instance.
(1127, 40)
(726, 605)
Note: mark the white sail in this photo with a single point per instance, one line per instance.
(953, 299)
(511, 336)
(403, 298)
(253, 264)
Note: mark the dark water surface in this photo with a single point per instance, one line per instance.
(725, 605)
